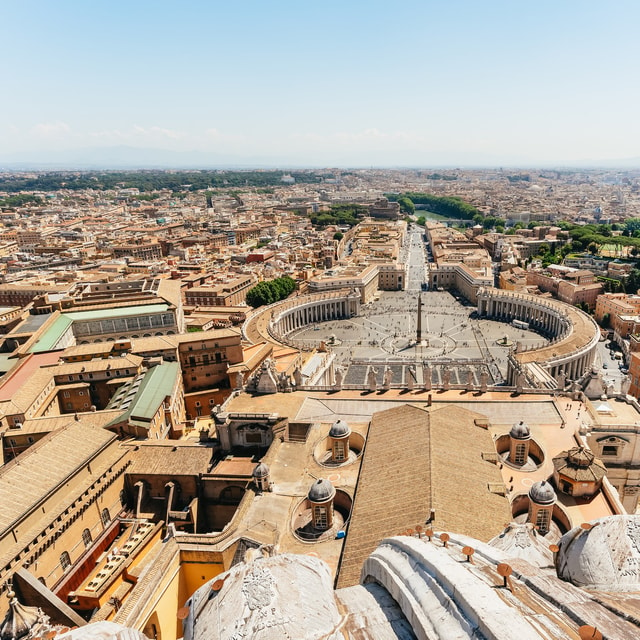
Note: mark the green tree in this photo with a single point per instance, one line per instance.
(270, 291)
(406, 205)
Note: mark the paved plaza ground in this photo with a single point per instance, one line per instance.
(386, 330)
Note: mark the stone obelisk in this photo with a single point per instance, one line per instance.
(419, 332)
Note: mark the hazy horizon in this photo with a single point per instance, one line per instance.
(354, 84)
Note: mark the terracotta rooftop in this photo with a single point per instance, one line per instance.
(235, 467)
(170, 458)
(28, 479)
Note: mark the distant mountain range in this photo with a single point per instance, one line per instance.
(124, 157)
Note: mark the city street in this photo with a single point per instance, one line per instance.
(609, 365)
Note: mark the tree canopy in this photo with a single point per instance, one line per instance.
(448, 206)
(153, 180)
(270, 291)
(340, 214)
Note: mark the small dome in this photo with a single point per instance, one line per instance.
(542, 493)
(602, 555)
(580, 465)
(261, 471)
(339, 429)
(520, 431)
(321, 491)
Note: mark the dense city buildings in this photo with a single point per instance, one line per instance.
(444, 399)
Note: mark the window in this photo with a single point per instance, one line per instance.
(65, 394)
(80, 393)
(542, 520)
(520, 453)
(320, 517)
(253, 438)
(338, 450)
(86, 538)
(65, 560)
(609, 450)
(105, 517)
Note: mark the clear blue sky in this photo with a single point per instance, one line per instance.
(329, 83)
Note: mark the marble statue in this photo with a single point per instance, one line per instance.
(411, 377)
(388, 377)
(372, 383)
(426, 377)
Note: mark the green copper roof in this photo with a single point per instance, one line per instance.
(148, 394)
(156, 386)
(52, 335)
(117, 312)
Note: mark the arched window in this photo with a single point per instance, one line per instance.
(520, 456)
(543, 520)
(86, 538)
(320, 516)
(105, 517)
(65, 560)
